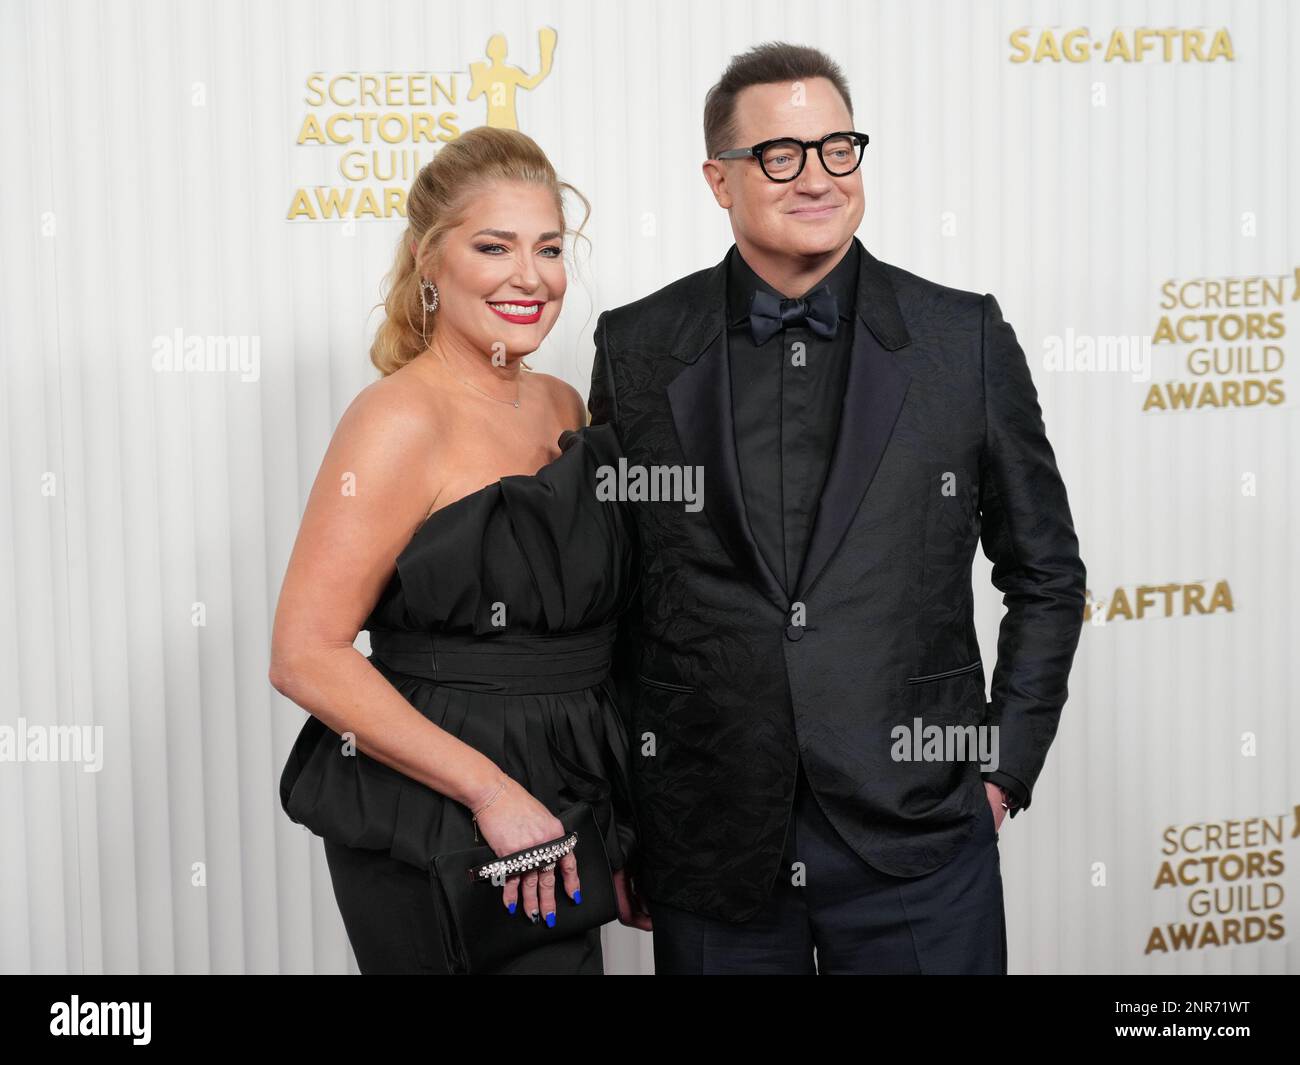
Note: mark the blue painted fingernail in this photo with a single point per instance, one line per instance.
(512, 906)
(550, 919)
(577, 896)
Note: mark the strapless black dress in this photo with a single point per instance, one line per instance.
(498, 625)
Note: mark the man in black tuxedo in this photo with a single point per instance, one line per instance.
(859, 430)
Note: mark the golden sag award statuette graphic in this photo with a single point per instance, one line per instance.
(1228, 333)
(1234, 870)
(498, 81)
(386, 125)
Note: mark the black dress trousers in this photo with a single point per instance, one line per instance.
(833, 914)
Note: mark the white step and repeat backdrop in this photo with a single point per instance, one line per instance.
(1123, 177)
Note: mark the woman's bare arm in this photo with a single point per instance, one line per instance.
(371, 492)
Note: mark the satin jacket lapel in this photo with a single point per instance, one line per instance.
(700, 399)
(873, 396)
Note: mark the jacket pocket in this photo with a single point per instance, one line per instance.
(665, 685)
(959, 671)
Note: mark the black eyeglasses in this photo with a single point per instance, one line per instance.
(783, 158)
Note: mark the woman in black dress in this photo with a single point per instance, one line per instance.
(454, 517)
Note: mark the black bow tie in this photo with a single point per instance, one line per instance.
(769, 315)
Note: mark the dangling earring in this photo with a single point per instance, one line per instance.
(428, 304)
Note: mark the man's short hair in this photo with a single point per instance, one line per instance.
(764, 64)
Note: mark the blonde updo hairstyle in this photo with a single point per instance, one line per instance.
(445, 185)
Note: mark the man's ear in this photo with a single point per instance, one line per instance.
(717, 179)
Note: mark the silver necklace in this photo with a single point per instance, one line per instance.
(513, 402)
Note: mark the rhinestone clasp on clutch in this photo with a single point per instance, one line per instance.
(526, 860)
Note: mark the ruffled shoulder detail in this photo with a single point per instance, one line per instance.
(600, 440)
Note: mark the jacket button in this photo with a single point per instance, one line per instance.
(794, 632)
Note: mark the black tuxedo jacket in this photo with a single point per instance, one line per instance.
(726, 681)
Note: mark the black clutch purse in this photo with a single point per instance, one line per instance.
(479, 933)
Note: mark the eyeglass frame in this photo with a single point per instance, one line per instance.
(756, 152)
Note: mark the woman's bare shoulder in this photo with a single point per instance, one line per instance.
(567, 401)
(395, 409)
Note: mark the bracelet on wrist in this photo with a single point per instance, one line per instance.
(496, 794)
